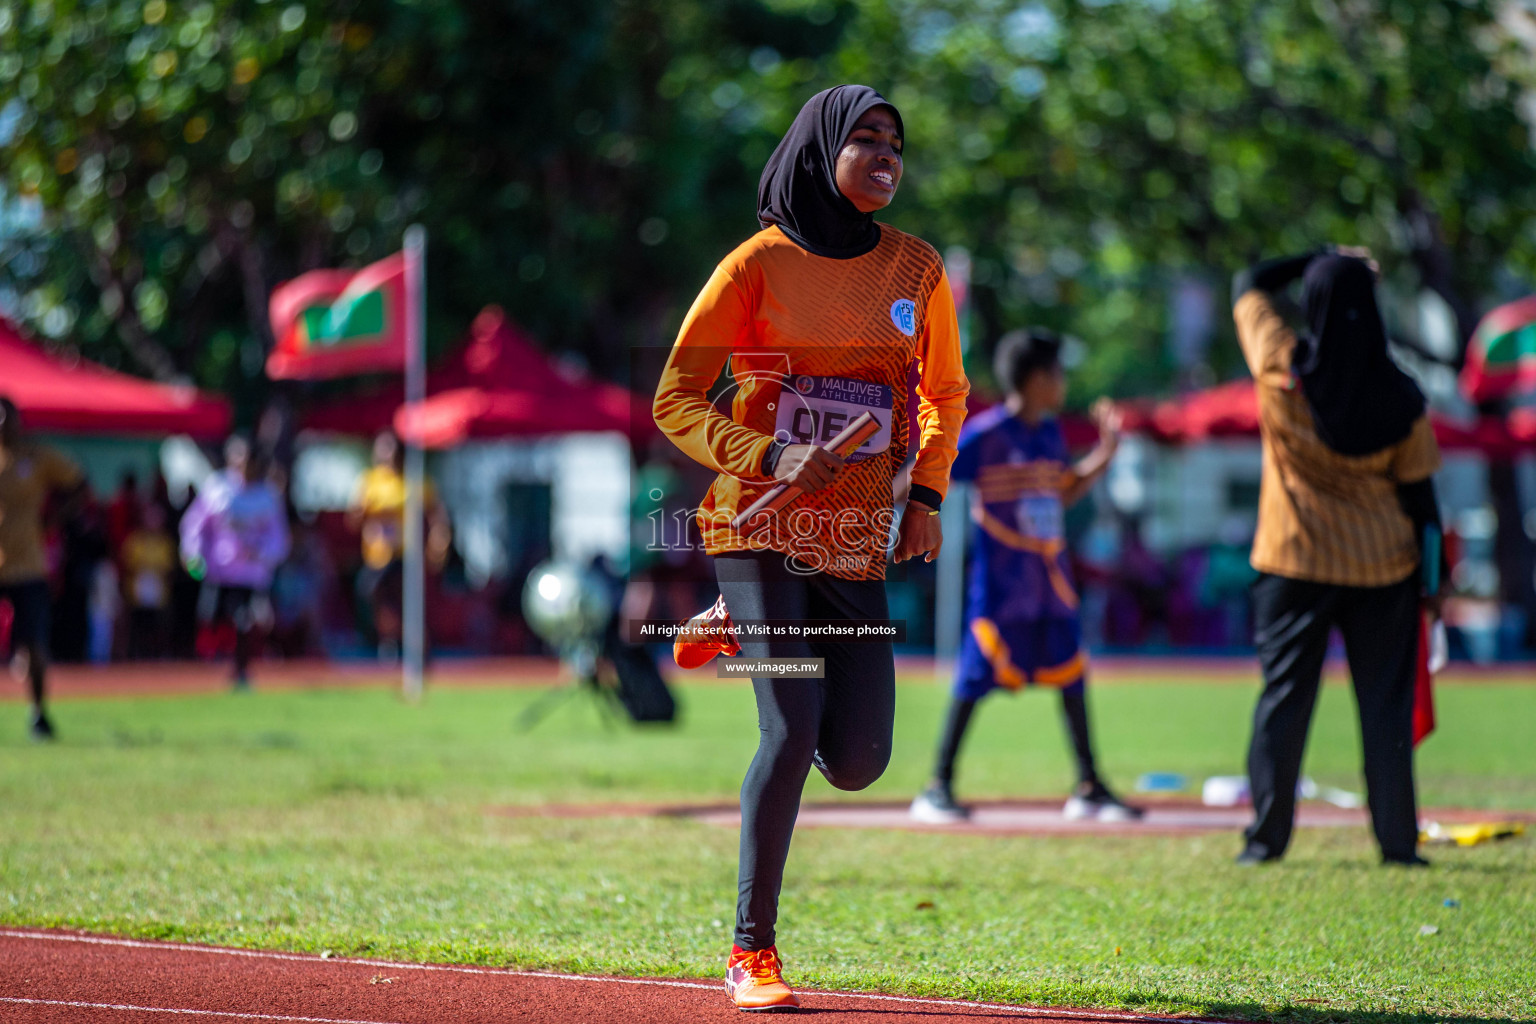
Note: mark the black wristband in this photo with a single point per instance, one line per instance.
(927, 495)
(771, 456)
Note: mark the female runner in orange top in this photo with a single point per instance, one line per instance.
(820, 315)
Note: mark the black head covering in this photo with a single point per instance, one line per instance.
(1361, 402)
(798, 190)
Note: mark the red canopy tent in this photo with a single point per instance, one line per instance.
(81, 397)
(1226, 410)
(1232, 410)
(497, 384)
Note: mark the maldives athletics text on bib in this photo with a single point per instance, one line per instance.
(813, 410)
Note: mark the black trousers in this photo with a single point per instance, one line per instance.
(841, 723)
(1292, 620)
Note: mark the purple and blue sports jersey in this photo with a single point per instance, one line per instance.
(1021, 617)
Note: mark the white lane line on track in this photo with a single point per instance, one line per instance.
(191, 1013)
(262, 954)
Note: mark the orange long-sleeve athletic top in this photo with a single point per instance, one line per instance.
(812, 342)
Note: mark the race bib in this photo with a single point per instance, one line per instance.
(814, 410)
(1040, 516)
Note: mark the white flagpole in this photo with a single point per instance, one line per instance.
(413, 646)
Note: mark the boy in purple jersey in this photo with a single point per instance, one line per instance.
(1021, 607)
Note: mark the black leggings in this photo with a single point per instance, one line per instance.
(841, 723)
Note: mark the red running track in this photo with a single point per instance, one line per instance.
(52, 977)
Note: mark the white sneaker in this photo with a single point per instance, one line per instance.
(935, 806)
(1079, 809)
(1099, 805)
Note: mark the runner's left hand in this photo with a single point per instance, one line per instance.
(918, 534)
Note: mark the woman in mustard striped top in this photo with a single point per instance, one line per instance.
(1347, 513)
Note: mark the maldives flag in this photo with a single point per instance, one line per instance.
(332, 323)
(1501, 359)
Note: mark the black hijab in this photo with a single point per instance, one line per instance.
(798, 190)
(1361, 402)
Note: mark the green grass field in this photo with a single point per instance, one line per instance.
(344, 819)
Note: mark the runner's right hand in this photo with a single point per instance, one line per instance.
(807, 467)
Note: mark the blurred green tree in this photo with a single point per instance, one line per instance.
(1093, 153)
(580, 162)
(585, 163)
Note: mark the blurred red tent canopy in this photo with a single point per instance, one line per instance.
(80, 397)
(1231, 410)
(1227, 410)
(496, 384)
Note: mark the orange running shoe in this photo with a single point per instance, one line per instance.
(705, 635)
(754, 978)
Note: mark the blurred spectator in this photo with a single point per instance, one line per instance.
(300, 589)
(1138, 597)
(1190, 622)
(29, 474)
(104, 604)
(160, 494)
(659, 586)
(234, 535)
(123, 511)
(1228, 580)
(378, 514)
(184, 595)
(83, 541)
(148, 558)
(670, 577)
